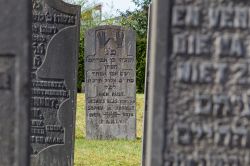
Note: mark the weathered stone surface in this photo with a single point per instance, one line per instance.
(15, 55)
(110, 80)
(83, 87)
(146, 89)
(54, 74)
(199, 96)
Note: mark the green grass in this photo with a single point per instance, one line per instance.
(107, 153)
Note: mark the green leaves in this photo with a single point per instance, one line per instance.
(138, 20)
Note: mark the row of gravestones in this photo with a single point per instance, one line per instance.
(38, 76)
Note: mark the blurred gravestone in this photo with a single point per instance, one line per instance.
(199, 97)
(54, 74)
(15, 55)
(110, 80)
(146, 93)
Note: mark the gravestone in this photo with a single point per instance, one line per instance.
(15, 55)
(199, 96)
(83, 87)
(54, 74)
(110, 80)
(146, 89)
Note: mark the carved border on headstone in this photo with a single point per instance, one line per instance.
(55, 19)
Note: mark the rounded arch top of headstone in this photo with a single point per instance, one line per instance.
(63, 6)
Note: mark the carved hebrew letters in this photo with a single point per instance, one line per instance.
(110, 83)
(47, 94)
(55, 38)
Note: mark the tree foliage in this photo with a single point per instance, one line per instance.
(138, 20)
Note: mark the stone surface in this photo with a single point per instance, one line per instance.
(15, 55)
(199, 97)
(146, 89)
(110, 79)
(83, 87)
(54, 75)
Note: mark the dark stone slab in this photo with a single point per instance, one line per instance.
(15, 55)
(110, 78)
(199, 96)
(54, 75)
(147, 84)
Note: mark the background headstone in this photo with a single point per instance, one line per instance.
(15, 55)
(83, 87)
(146, 93)
(110, 80)
(199, 89)
(54, 75)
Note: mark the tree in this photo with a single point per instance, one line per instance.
(138, 20)
(142, 3)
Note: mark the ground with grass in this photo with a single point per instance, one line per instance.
(107, 153)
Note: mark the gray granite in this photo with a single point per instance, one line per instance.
(110, 80)
(147, 84)
(54, 78)
(83, 87)
(15, 55)
(199, 90)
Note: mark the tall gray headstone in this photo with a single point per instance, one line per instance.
(199, 92)
(146, 89)
(15, 55)
(110, 79)
(54, 74)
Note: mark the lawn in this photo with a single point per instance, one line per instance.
(107, 153)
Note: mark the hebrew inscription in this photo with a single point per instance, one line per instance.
(53, 87)
(208, 113)
(110, 83)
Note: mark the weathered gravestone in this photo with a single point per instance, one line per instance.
(83, 87)
(199, 98)
(54, 74)
(146, 89)
(15, 55)
(110, 80)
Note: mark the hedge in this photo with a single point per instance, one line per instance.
(80, 63)
(141, 45)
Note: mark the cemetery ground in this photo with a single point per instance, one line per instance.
(107, 153)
